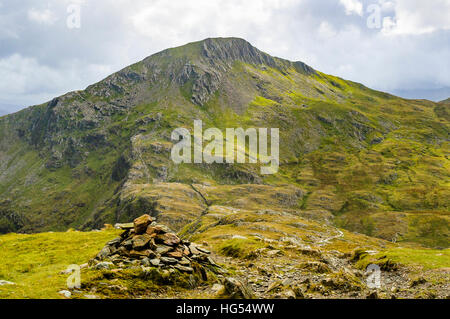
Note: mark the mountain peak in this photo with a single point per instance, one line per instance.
(231, 49)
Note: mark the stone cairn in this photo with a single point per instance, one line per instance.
(148, 244)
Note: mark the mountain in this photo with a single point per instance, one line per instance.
(350, 157)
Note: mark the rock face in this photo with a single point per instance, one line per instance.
(146, 243)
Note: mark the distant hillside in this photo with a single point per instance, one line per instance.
(360, 159)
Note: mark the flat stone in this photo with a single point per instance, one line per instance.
(184, 261)
(175, 254)
(141, 223)
(155, 262)
(141, 241)
(184, 268)
(203, 250)
(212, 262)
(168, 260)
(169, 239)
(124, 226)
(163, 228)
(142, 253)
(153, 230)
(163, 249)
(115, 242)
(104, 265)
(194, 250)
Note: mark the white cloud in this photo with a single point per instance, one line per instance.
(326, 30)
(46, 62)
(181, 21)
(45, 16)
(352, 7)
(417, 17)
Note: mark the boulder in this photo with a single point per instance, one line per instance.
(168, 239)
(236, 289)
(141, 223)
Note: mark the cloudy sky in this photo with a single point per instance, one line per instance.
(47, 48)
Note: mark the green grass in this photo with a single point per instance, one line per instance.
(33, 262)
(424, 258)
(239, 248)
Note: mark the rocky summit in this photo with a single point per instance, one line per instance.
(149, 244)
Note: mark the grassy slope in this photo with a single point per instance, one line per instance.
(34, 262)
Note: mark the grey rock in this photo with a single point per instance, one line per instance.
(104, 265)
(290, 294)
(145, 262)
(105, 252)
(115, 242)
(163, 249)
(184, 261)
(184, 268)
(65, 293)
(155, 262)
(128, 244)
(168, 260)
(5, 283)
(124, 226)
(203, 250)
(236, 289)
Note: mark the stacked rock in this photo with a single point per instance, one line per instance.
(150, 244)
